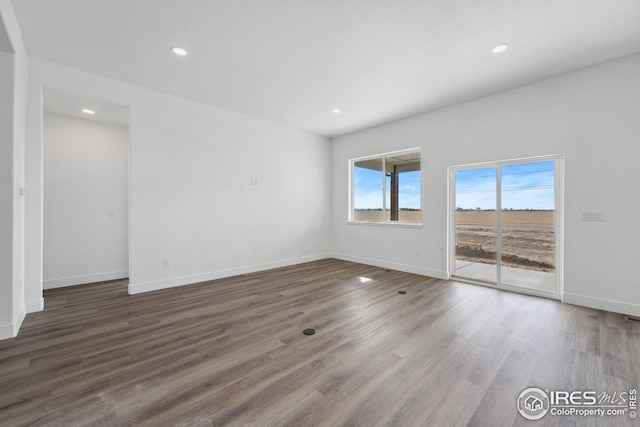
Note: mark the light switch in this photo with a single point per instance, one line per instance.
(592, 216)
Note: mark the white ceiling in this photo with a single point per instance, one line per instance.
(71, 104)
(293, 61)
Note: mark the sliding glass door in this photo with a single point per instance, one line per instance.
(476, 222)
(528, 232)
(506, 228)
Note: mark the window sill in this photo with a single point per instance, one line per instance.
(387, 224)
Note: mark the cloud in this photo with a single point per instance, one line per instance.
(364, 199)
(524, 186)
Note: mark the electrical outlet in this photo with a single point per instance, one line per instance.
(166, 262)
(418, 254)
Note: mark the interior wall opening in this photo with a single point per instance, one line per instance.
(86, 190)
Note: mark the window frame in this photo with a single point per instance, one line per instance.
(383, 157)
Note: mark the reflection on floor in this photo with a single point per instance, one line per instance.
(530, 279)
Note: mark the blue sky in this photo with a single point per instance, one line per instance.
(368, 189)
(524, 186)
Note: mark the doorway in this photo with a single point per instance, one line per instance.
(506, 221)
(85, 191)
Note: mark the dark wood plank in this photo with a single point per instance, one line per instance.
(231, 352)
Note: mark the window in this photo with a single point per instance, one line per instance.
(387, 188)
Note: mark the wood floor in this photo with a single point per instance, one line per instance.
(232, 353)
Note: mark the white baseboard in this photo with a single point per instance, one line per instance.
(10, 330)
(35, 305)
(82, 280)
(602, 304)
(136, 288)
(393, 266)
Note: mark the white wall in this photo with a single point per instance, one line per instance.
(6, 190)
(191, 198)
(13, 85)
(591, 116)
(86, 195)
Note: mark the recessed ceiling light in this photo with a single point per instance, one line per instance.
(88, 111)
(179, 51)
(336, 111)
(500, 48)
